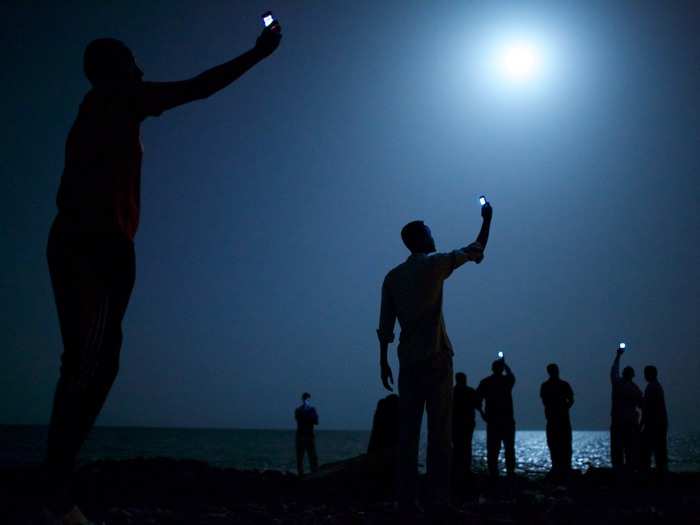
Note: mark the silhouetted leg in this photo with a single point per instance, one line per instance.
(661, 451)
(493, 447)
(509, 444)
(567, 451)
(411, 406)
(439, 409)
(646, 450)
(633, 446)
(552, 445)
(468, 451)
(92, 281)
(616, 447)
(300, 455)
(313, 457)
(459, 452)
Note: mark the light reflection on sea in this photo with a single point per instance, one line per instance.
(274, 449)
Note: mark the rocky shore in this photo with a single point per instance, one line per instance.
(167, 491)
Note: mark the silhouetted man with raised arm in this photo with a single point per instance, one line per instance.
(495, 391)
(465, 402)
(624, 428)
(557, 398)
(306, 418)
(90, 249)
(412, 293)
(654, 422)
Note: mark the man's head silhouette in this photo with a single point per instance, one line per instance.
(417, 237)
(650, 373)
(305, 396)
(461, 378)
(498, 367)
(628, 373)
(553, 370)
(108, 62)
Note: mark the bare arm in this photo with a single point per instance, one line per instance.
(509, 373)
(156, 97)
(487, 215)
(615, 370)
(385, 333)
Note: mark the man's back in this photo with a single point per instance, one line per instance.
(412, 293)
(626, 398)
(654, 406)
(464, 403)
(496, 391)
(306, 417)
(100, 185)
(556, 396)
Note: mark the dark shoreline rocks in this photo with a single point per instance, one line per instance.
(162, 491)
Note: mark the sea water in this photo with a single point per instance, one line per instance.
(274, 449)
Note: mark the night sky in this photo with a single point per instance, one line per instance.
(271, 211)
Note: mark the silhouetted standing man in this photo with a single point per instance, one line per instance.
(558, 397)
(496, 393)
(412, 292)
(624, 429)
(306, 418)
(90, 249)
(465, 402)
(654, 422)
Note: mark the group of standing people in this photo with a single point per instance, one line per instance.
(412, 294)
(494, 401)
(634, 441)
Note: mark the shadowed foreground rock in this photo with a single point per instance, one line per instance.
(166, 491)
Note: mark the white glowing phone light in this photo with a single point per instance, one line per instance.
(268, 19)
(482, 200)
(622, 346)
(500, 355)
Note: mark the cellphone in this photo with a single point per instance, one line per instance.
(500, 355)
(622, 346)
(268, 19)
(482, 200)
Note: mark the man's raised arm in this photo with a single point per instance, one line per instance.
(487, 215)
(155, 97)
(509, 373)
(615, 370)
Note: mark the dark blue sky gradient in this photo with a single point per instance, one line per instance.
(272, 210)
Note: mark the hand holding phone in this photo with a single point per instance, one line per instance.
(269, 21)
(271, 35)
(486, 211)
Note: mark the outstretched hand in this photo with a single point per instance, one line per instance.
(487, 211)
(269, 40)
(387, 377)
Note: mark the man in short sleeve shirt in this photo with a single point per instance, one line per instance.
(412, 293)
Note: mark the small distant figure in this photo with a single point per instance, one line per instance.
(465, 402)
(558, 397)
(624, 429)
(412, 293)
(306, 418)
(654, 422)
(495, 391)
